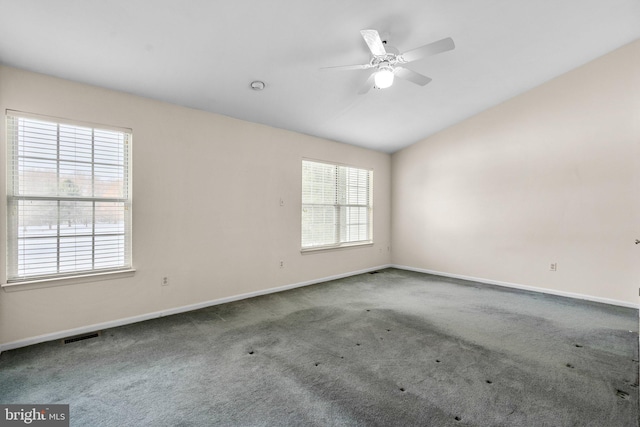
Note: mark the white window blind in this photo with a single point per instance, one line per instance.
(68, 198)
(336, 205)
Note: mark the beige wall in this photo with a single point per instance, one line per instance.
(207, 214)
(552, 175)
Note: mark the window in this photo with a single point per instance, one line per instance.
(336, 205)
(68, 198)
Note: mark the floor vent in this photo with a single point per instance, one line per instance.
(80, 337)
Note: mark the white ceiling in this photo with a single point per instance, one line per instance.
(204, 53)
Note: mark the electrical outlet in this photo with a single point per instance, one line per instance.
(165, 281)
(281, 264)
(553, 266)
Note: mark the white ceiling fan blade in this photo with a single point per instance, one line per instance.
(372, 38)
(367, 86)
(348, 67)
(412, 76)
(428, 50)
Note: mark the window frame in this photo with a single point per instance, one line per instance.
(338, 225)
(13, 196)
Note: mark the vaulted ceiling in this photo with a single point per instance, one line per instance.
(204, 54)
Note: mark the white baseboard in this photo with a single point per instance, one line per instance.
(523, 287)
(134, 319)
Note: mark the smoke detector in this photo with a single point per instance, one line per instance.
(257, 85)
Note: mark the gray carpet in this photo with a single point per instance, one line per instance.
(390, 349)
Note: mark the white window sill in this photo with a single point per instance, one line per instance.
(333, 248)
(68, 280)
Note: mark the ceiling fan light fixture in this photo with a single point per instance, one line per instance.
(383, 78)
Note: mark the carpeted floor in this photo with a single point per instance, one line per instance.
(395, 348)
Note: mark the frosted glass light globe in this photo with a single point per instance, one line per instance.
(383, 78)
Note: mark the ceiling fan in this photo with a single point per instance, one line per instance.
(388, 62)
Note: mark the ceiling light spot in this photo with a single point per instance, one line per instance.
(257, 85)
(384, 78)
